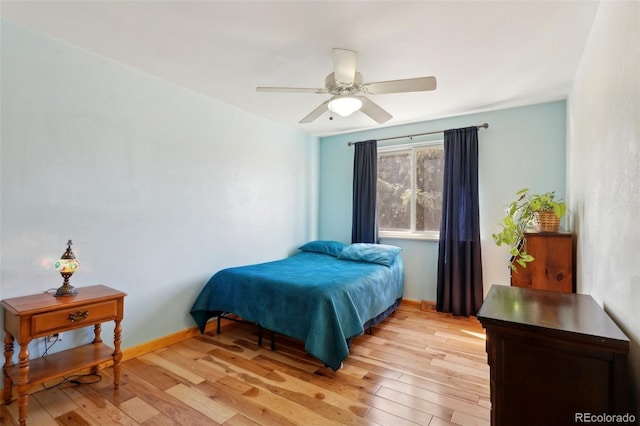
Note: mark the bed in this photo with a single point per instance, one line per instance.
(323, 295)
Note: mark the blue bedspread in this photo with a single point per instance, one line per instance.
(313, 297)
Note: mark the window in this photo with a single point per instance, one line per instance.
(409, 191)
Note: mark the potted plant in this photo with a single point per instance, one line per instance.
(544, 211)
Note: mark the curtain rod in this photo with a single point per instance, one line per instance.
(481, 126)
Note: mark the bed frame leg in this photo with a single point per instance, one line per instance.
(218, 326)
(273, 341)
(259, 336)
(370, 331)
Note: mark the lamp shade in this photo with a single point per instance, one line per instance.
(67, 266)
(345, 105)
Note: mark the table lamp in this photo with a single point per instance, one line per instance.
(67, 265)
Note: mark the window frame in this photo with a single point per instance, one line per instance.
(411, 234)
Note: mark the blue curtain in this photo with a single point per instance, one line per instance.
(364, 228)
(459, 257)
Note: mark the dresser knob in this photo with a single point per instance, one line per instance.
(78, 316)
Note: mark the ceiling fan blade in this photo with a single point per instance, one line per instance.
(316, 112)
(344, 65)
(420, 84)
(374, 111)
(291, 89)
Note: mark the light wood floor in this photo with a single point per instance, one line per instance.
(418, 367)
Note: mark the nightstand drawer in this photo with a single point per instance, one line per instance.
(50, 322)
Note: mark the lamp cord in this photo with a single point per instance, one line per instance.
(77, 380)
(46, 349)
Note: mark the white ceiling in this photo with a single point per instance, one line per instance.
(485, 54)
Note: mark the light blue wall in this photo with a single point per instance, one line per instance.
(158, 186)
(523, 147)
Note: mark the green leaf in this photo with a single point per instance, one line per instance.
(560, 209)
(527, 257)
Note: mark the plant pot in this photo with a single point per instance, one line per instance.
(546, 221)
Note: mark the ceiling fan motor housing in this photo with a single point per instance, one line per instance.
(336, 88)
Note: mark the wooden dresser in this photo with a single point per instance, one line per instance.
(38, 315)
(552, 268)
(552, 356)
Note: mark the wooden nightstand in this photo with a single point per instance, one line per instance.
(38, 315)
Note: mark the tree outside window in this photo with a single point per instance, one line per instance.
(409, 189)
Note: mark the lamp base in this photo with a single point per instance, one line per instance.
(66, 290)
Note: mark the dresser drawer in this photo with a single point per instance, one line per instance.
(64, 319)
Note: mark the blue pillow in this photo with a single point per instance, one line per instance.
(373, 253)
(332, 248)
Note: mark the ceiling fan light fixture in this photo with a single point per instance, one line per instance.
(345, 105)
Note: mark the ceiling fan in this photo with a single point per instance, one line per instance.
(347, 90)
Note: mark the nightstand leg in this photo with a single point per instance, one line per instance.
(8, 363)
(23, 383)
(97, 330)
(117, 354)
